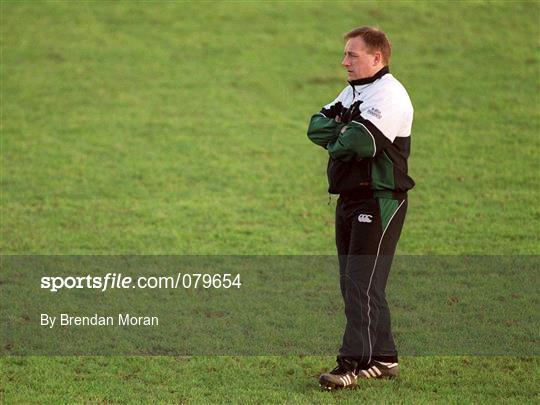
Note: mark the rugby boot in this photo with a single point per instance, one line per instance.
(343, 376)
(379, 369)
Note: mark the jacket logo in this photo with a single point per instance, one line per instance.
(376, 113)
(365, 218)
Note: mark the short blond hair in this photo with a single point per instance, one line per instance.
(375, 40)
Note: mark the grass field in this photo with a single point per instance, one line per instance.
(179, 128)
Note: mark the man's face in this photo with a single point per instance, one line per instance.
(358, 62)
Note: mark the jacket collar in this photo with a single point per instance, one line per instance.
(367, 80)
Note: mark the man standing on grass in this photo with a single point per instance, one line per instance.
(366, 131)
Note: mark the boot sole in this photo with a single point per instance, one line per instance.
(330, 386)
(334, 387)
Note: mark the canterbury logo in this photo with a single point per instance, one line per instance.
(376, 113)
(364, 218)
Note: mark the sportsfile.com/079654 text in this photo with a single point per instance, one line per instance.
(118, 281)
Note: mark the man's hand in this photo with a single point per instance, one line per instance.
(334, 111)
(352, 113)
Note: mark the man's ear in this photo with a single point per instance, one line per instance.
(377, 58)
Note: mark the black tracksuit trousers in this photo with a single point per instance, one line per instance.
(367, 232)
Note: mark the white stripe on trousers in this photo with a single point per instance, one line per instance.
(371, 277)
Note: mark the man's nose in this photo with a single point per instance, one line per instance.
(345, 61)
